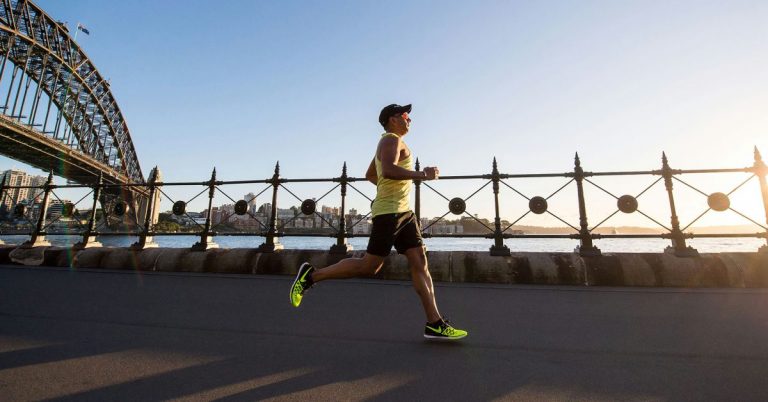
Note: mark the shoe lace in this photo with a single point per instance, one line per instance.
(447, 328)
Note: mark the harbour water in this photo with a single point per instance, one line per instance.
(707, 245)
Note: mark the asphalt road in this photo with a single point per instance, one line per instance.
(124, 336)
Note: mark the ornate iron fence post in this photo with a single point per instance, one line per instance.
(38, 236)
(206, 237)
(417, 193)
(585, 248)
(678, 247)
(271, 244)
(341, 246)
(146, 240)
(2, 193)
(761, 170)
(498, 248)
(89, 240)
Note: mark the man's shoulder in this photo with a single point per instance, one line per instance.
(390, 138)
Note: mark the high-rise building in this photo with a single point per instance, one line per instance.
(250, 198)
(14, 196)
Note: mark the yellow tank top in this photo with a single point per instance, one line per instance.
(392, 196)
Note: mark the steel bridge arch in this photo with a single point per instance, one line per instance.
(42, 49)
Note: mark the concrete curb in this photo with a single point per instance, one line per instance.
(738, 270)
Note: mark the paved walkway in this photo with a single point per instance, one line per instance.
(104, 335)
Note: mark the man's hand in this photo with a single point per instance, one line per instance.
(431, 173)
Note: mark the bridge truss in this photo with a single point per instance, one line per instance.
(56, 109)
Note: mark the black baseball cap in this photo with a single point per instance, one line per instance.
(392, 110)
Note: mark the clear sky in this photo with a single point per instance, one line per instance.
(240, 85)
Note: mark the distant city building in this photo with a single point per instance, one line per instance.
(362, 227)
(329, 210)
(250, 198)
(215, 216)
(14, 196)
(56, 208)
(441, 227)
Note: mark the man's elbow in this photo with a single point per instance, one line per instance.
(388, 173)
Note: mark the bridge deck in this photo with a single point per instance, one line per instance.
(124, 336)
(28, 146)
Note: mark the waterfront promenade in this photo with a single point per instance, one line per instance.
(119, 335)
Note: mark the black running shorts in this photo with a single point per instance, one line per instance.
(401, 230)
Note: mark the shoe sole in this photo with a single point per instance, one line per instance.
(444, 338)
(298, 276)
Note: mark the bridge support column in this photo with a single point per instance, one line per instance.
(38, 236)
(152, 211)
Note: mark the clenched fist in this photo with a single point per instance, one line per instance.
(431, 173)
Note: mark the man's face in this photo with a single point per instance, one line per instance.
(400, 123)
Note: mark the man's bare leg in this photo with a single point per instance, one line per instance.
(422, 282)
(350, 268)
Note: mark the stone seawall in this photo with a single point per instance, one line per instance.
(617, 269)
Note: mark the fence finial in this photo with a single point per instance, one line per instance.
(758, 157)
(576, 160)
(664, 160)
(495, 165)
(277, 167)
(418, 165)
(344, 169)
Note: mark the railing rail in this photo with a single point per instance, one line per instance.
(272, 229)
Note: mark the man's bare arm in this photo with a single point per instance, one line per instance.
(389, 154)
(371, 175)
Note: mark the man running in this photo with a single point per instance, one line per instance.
(394, 224)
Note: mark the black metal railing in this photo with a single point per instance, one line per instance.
(271, 228)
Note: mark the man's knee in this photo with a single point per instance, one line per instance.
(417, 259)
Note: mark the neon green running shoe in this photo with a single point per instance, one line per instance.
(443, 331)
(302, 282)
